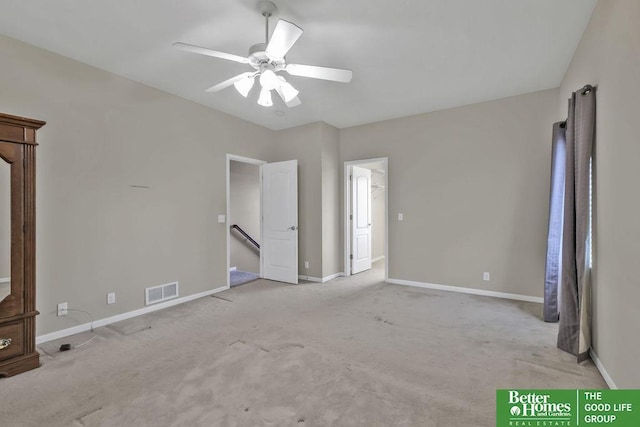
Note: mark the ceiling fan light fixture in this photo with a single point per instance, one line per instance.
(269, 80)
(265, 98)
(266, 60)
(244, 86)
(288, 92)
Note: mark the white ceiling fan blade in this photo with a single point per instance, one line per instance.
(282, 39)
(292, 103)
(229, 82)
(210, 52)
(324, 73)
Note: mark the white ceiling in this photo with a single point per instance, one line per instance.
(407, 56)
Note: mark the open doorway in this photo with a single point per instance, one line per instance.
(262, 220)
(243, 220)
(366, 216)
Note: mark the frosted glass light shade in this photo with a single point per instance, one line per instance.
(269, 80)
(288, 92)
(265, 98)
(244, 86)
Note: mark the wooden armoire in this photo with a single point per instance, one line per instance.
(17, 245)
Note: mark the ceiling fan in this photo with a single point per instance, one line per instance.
(267, 60)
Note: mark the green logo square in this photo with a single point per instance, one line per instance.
(550, 408)
(544, 408)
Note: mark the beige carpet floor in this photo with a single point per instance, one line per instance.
(351, 352)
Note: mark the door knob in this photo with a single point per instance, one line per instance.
(293, 227)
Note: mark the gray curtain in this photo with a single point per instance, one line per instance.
(574, 335)
(554, 239)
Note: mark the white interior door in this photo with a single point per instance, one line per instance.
(360, 219)
(279, 251)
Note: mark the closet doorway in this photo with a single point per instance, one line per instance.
(366, 216)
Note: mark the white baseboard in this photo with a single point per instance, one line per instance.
(612, 385)
(320, 280)
(472, 291)
(376, 259)
(310, 279)
(331, 277)
(123, 316)
(233, 268)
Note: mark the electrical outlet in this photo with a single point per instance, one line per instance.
(111, 298)
(222, 219)
(306, 264)
(62, 309)
(400, 217)
(486, 276)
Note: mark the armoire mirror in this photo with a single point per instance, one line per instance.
(5, 229)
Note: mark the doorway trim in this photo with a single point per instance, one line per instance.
(229, 159)
(347, 203)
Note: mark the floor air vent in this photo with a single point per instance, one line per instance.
(160, 293)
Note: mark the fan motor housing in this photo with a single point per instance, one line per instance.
(258, 59)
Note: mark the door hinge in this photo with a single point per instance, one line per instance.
(351, 256)
(351, 217)
(350, 177)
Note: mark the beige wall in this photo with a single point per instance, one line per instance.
(609, 56)
(472, 183)
(245, 211)
(95, 233)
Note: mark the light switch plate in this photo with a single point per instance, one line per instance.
(222, 219)
(400, 217)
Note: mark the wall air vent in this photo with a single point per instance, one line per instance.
(160, 293)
